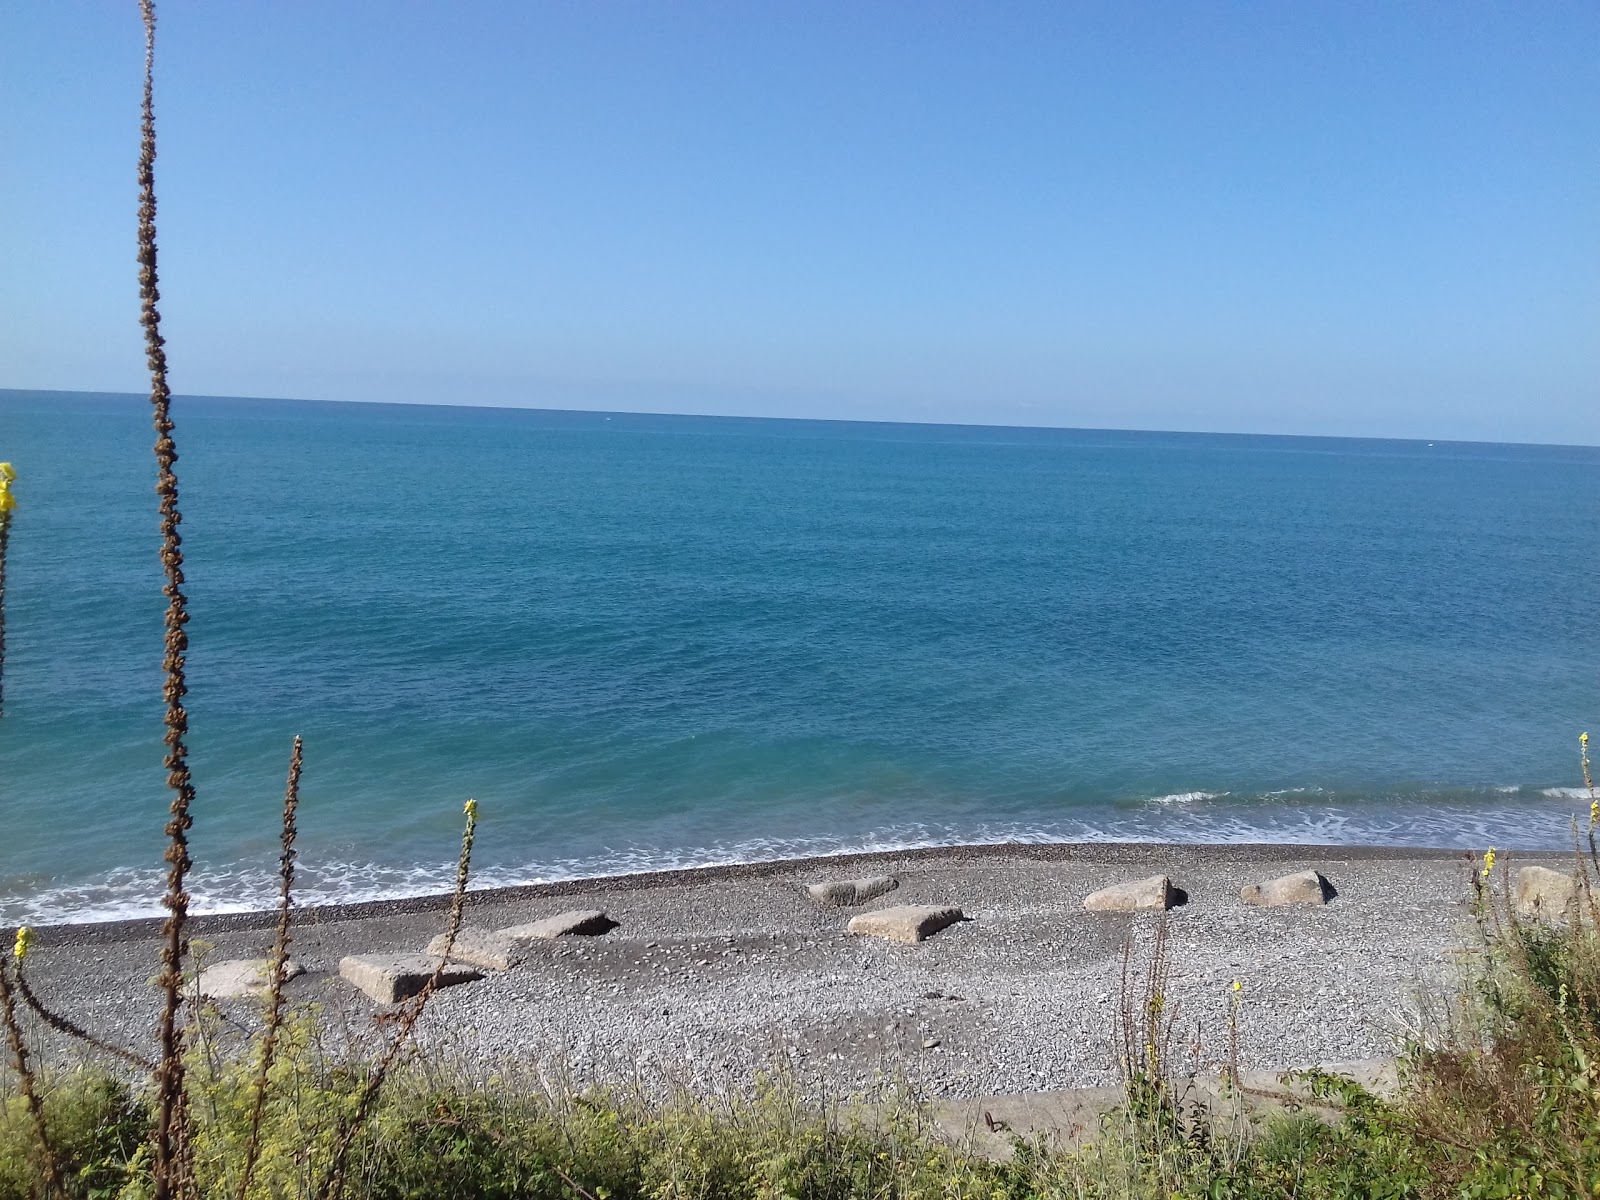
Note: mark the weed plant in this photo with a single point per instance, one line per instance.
(183, 1153)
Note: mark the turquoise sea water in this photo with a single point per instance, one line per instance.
(646, 641)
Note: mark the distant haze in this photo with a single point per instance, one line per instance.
(1342, 218)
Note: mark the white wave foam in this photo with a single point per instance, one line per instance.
(248, 887)
(1187, 797)
(1566, 793)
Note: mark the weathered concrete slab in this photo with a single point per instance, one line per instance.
(1303, 887)
(391, 978)
(236, 977)
(581, 922)
(847, 893)
(489, 949)
(1138, 895)
(904, 922)
(1543, 894)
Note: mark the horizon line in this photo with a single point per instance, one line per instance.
(619, 412)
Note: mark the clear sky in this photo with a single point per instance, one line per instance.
(1343, 217)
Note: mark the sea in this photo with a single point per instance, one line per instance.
(645, 642)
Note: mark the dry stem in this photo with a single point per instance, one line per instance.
(280, 959)
(5, 536)
(26, 1082)
(170, 1093)
(406, 1021)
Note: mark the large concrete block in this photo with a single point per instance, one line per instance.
(847, 893)
(391, 978)
(1139, 895)
(1544, 894)
(904, 922)
(236, 977)
(581, 922)
(489, 949)
(1303, 887)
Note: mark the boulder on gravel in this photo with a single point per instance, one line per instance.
(391, 978)
(904, 922)
(1544, 894)
(847, 893)
(237, 977)
(491, 950)
(1303, 887)
(1139, 895)
(580, 922)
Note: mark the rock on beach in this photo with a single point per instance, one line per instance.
(492, 950)
(579, 922)
(847, 893)
(1154, 894)
(1303, 887)
(391, 978)
(1544, 894)
(236, 977)
(904, 922)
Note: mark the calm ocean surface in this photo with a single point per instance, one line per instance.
(649, 641)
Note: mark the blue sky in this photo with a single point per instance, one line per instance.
(1348, 218)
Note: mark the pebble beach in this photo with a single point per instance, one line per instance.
(712, 975)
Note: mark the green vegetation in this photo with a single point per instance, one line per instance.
(1500, 1097)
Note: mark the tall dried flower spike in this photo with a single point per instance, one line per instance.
(1588, 780)
(8, 504)
(278, 971)
(332, 1187)
(171, 1097)
(1488, 862)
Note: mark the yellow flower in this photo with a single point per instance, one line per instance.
(7, 472)
(1238, 986)
(471, 809)
(1488, 862)
(24, 934)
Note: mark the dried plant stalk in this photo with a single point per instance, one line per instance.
(5, 536)
(170, 1094)
(26, 1083)
(1146, 1018)
(405, 1022)
(280, 959)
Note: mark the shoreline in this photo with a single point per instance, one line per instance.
(712, 975)
(1175, 853)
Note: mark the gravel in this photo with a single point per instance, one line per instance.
(713, 975)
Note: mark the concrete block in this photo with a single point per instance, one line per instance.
(1140, 895)
(391, 978)
(904, 922)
